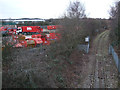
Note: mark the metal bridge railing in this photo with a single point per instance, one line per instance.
(115, 56)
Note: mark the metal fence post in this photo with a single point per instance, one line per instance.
(88, 48)
(109, 49)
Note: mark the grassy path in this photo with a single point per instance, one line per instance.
(102, 72)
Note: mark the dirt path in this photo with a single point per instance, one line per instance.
(101, 70)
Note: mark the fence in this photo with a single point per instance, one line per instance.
(115, 57)
(84, 48)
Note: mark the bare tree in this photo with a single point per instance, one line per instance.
(76, 10)
(72, 33)
(115, 22)
(114, 10)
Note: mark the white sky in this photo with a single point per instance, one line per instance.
(46, 9)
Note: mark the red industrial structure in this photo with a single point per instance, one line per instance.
(36, 35)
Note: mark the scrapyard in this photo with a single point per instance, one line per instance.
(26, 36)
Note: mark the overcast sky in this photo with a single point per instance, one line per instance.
(51, 8)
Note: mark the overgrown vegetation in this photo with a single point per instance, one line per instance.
(115, 29)
(76, 26)
(115, 24)
(6, 50)
(31, 68)
(27, 68)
